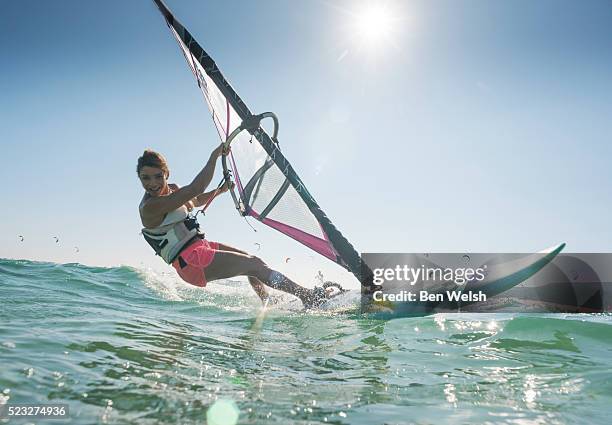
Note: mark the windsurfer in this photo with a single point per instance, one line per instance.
(174, 234)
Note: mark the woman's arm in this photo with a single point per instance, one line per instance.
(202, 199)
(160, 205)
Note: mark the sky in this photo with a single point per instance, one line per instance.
(419, 126)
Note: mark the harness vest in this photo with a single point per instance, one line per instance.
(170, 237)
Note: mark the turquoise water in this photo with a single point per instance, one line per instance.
(121, 345)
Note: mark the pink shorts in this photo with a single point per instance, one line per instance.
(196, 257)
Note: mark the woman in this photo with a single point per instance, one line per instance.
(175, 235)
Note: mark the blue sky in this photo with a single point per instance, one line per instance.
(454, 126)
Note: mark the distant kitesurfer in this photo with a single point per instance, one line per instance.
(174, 233)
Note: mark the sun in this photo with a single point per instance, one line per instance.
(374, 23)
(368, 29)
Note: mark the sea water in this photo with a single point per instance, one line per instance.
(121, 345)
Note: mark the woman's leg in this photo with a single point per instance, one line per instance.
(256, 284)
(228, 264)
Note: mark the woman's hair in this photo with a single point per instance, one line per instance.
(150, 158)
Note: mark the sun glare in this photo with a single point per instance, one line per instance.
(369, 28)
(374, 23)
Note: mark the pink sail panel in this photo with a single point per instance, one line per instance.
(316, 244)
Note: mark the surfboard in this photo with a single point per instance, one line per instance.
(500, 277)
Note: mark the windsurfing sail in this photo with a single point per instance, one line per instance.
(267, 187)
